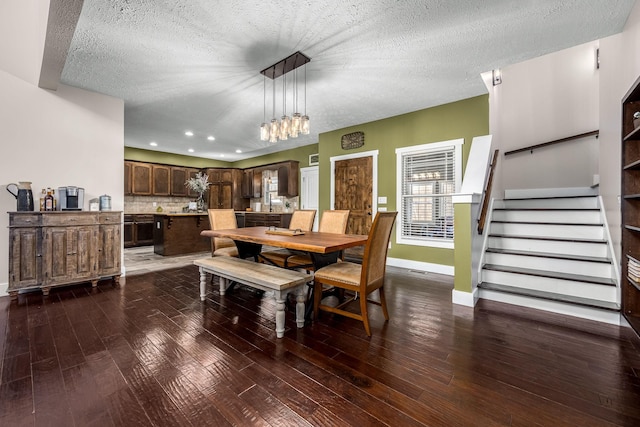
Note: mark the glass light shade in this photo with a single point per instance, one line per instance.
(274, 130)
(285, 123)
(295, 125)
(264, 132)
(304, 125)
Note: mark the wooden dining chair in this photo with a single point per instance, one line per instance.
(332, 221)
(222, 219)
(300, 220)
(360, 279)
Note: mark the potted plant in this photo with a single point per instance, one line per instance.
(200, 183)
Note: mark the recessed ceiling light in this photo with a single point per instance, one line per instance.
(238, 151)
(221, 155)
(191, 150)
(211, 138)
(153, 144)
(188, 133)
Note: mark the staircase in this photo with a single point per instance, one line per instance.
(551, 252)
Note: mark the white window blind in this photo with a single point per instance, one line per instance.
(427, 181)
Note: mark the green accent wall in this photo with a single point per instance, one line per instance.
(301, 154)
(463, 233)
(462, 119)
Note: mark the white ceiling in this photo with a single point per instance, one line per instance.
(195, 65)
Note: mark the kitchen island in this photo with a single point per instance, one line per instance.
(179, 233)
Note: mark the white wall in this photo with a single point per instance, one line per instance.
(540, 100)
(67, 137)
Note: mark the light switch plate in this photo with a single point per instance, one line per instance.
(382, 209)
(382, 200)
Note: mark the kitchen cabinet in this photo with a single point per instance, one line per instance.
(258, 219)
(252, 183)
(288, 179)
(225, 191)
(178, 178)
(161, 180)
(141, 177)
(127, 178)
(138, 230)
(191, 173)
(48, 249)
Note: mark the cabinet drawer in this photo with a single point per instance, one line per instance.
(22, 220)
(110, 218)
(63, 219)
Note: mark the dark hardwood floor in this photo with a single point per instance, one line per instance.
(149, 353)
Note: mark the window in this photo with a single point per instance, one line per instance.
(428, 175)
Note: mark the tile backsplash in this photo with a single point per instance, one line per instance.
(145, 204)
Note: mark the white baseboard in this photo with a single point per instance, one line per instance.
(4, 289)
(468, 299)
(421, 266)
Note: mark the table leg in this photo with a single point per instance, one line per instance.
(248, 249)
(223, 285)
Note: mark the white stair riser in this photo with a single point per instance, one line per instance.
(590, 313)
(550, 246)
(585, 268)
(548, 230)
(572, 203)
(568, 216)
(547, 284)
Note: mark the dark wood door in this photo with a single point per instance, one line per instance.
(354, 191)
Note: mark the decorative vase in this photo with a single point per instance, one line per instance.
(200, 203)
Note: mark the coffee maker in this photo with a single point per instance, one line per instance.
(70, 198)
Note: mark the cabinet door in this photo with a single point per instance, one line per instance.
(226, 195)
(214, 174)
(24, 258)
(191, 173)
(178, 178)
(141, 179)
(69, 254)
(288, 179)
(109, 253)
(161, 180)
(257, 184)
(127, 178)
(247, 183)
(214, 196)
(226, 175)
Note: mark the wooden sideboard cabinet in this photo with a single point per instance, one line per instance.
(48, 249)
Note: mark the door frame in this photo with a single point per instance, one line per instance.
(374, 177)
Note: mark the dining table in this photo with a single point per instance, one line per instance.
(324, 248)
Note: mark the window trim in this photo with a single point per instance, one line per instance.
(456, 144)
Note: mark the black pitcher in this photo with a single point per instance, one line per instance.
(22, 192)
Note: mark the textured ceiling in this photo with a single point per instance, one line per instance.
(195, 65)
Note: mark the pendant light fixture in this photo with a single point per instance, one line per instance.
(264, 127)
(297, 124)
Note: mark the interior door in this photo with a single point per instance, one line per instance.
(309, 199)
(354, 191)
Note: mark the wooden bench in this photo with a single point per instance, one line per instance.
(259, 276)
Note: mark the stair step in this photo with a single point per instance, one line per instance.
(552, 275)
(588, 248)
(544, 215)
(588, 202)
(584, 231)
(550, 238)
(588, 302)
(569, 257)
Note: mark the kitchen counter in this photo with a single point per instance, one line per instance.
(179, 233)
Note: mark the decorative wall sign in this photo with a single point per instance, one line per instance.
(352, 140)
(314, 159)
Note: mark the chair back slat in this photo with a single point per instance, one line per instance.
(375, 252)
(302, 220)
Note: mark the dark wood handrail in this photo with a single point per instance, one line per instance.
(486, 195)
(595, 133)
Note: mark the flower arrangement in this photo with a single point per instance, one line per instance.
(200, 183)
